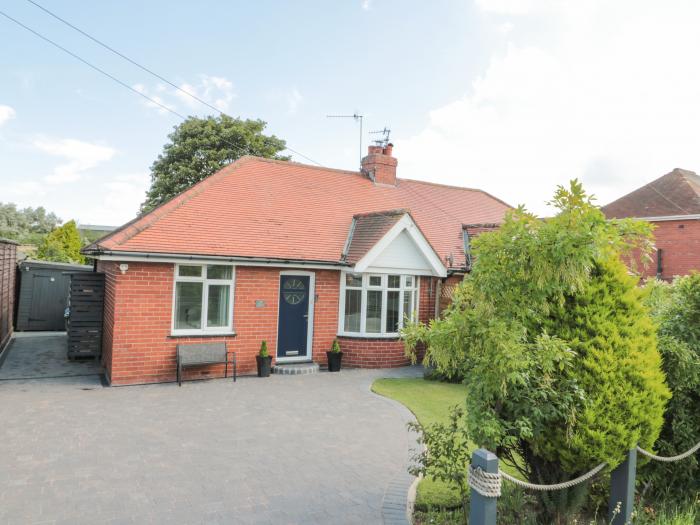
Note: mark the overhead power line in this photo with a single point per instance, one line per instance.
(131, 61)
(146, 69)
(93, 66)
(122, 55)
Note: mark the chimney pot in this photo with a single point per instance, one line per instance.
(380, 164)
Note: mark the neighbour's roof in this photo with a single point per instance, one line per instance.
(266, 208)
(676, 193)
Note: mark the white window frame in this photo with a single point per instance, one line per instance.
(219, 330)
(363, 302)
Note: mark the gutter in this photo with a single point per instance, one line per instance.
(669, 218)
(100, 254)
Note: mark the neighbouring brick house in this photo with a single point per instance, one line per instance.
(292, 254)
(672, 204)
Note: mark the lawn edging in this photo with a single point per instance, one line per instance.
(400, 495)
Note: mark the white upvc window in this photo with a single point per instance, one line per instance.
(376, 305)
(203, 299)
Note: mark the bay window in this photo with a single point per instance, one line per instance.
(203, 298)
(376, 305)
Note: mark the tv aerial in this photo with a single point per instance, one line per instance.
(357, 118)
(384, 140)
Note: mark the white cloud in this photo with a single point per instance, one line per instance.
(81, 156)
(121, 197)
(152, 94)
(217, 91)
(609, 96)
(294, 99)
(26, 188)
(366, 5)
(6, 113)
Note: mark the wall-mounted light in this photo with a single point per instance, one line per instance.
(123, 268)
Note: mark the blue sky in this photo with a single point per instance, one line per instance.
(510, 96)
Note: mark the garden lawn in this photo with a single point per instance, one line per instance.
(430, 402)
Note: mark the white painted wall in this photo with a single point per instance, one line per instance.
(401, 254)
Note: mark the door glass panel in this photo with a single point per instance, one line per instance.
(353, 302)
(373, 323)
(294, 291)
(215, 271)
(392, 311)
(189, 271)
(188, 305)
(217, 306)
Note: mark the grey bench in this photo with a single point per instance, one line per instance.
(202, 354)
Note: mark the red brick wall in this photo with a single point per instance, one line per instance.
(138, 348)
(8, 272)
(680, 245)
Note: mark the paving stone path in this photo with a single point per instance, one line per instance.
(318, 448)
(39, 356)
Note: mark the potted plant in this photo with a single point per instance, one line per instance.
(335, 356)
(264, 360)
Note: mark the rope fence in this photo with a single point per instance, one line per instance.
(670, 459)
(486, 483)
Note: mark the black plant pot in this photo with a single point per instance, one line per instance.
(264, 365)
(334, 360)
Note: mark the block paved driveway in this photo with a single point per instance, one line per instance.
(289, 449)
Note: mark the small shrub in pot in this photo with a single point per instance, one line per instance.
(264, 360)
(335, 357)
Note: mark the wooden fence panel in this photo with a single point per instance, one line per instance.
(86, 304)
(8, 263)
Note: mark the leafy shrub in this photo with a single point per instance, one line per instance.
(63, 244)
(556, 350)
(676, 308)
(446, 453)
(335, 347)
(263, 349)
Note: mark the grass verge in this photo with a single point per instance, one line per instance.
(430, 402)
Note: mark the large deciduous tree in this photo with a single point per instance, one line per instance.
(200, 147)
(558, 351)
(26, 225)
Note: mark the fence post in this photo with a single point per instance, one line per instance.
(622, 489)
(482, 510)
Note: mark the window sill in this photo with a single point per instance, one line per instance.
(369, 336)
(202, 334)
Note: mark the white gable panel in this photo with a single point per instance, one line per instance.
(401, 254)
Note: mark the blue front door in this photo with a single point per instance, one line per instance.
(293, 316)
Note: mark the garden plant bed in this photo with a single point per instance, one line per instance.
(437, 502)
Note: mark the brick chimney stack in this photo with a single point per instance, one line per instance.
(380, 165)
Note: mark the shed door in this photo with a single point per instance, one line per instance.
(48, 301)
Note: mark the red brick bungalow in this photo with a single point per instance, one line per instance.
(672, 204)
(292, 254)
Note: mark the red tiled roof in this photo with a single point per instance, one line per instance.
(676, 193)
(267, 208)
(367, 229)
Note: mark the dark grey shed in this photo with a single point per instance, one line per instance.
(42, 294)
